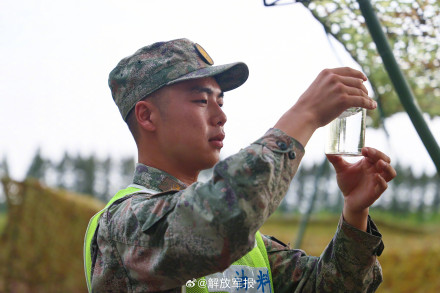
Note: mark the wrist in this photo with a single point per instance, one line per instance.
(297, 124)
(356, 218)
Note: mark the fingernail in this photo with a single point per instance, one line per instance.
(374, 104)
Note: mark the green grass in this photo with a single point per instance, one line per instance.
(425, 221)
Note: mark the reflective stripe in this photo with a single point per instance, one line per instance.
(144, 189)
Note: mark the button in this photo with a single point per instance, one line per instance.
(282, 145)
(292, 155)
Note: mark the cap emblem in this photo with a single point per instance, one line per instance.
(203, 54)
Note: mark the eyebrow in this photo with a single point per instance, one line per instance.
(209, 91)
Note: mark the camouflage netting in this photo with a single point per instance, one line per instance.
(413, 30)
(42, 244)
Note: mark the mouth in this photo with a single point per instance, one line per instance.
(217, 141)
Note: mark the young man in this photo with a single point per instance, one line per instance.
(168, 233)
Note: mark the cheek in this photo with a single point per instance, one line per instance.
(186, 122)
(193, 119)
(186, 130)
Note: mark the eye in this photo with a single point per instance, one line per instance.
(220, 105)
(202, 101)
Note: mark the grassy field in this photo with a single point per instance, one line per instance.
(410, 261)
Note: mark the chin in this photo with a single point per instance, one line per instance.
(211, 162)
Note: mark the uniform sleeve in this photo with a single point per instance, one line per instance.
(203, 229)
(348, 264)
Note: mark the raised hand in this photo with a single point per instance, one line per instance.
(332, 92)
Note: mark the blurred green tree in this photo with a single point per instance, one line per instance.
(4, 167)
(62, 170)
(126, 170)
(436, 202)
(103, 182)
(84, 174)
(37, 169)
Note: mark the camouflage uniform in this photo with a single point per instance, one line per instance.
(157, 244)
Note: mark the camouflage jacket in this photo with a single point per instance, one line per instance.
(157, 243)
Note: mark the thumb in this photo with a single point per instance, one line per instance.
(338, 162)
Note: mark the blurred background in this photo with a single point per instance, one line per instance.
(65, 150)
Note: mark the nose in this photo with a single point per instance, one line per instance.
(218, 117)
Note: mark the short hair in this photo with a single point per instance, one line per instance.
(131, 117)
(133, 125)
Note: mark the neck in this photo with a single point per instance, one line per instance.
(188, 177)
(188, 180)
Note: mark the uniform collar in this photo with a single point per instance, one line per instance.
(156, 179)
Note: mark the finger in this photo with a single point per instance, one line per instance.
(381, 185)
(354, 83)
(347, 71)
(375, 155)
(338, 163)
(353, 91)
(359, 101)
(364, 152)
(386, 170)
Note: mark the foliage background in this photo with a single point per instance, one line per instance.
(413, 30)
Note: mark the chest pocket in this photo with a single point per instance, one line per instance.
(149, 212)
(162, 207)
(137, 221)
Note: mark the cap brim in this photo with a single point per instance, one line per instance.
(228, 76)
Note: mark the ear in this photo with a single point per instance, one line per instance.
(146, 115)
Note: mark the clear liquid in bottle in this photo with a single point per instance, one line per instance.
(346, 134)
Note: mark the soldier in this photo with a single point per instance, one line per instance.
(168, 233)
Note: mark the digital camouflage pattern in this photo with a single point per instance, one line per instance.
(158, 244)
(165, 63)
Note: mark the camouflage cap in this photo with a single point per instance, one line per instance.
(165, 63)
